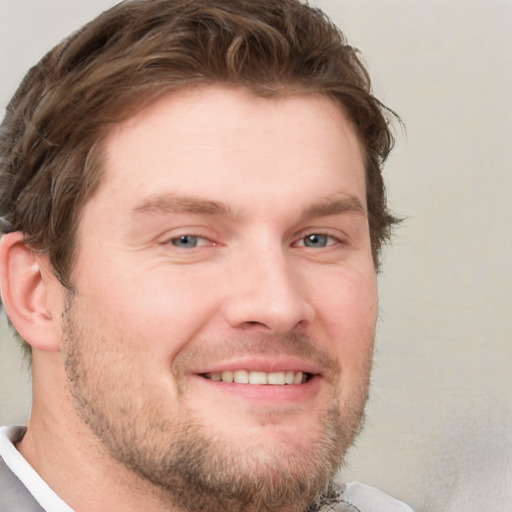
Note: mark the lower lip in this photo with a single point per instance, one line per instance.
(271, 394)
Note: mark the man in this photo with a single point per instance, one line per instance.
(192, 210)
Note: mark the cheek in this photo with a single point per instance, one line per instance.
(348, 310)
(152, 312)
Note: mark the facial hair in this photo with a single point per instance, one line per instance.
(195, 469)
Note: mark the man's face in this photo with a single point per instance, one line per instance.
(228, 240)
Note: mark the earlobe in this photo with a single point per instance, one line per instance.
(23, 285)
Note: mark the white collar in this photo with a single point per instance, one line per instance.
(39, 489)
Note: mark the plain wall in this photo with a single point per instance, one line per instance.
(439, 427)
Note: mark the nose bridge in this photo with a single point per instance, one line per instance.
(268, 291)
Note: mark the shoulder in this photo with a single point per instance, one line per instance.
(363, 498)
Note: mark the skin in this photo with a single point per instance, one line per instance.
(276, 274)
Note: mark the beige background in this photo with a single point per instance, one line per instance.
(439, 429)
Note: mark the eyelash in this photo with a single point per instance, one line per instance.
(314, 238)
(330, 240)
(175, 240)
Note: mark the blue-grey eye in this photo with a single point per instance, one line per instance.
(316, 241)
(186, 241)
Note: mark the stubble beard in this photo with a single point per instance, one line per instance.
(190, 466)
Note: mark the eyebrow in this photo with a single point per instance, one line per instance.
(335, 205)
(169, 203)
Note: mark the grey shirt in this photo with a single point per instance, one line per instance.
(14, 496)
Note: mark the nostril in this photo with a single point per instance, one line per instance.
(254, 324)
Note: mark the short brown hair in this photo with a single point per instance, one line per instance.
(140, 49)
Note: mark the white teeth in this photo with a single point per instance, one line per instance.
(290, 378)
(258, 378)
(276, 379)
(227, 376)
(241, 376)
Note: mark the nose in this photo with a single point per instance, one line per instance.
(267, 293)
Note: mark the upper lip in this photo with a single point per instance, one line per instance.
(262, 364)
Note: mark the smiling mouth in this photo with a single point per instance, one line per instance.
(259, 378)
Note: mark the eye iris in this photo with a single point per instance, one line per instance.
(315, 241)
(185, 241)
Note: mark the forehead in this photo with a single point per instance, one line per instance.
(210, 140)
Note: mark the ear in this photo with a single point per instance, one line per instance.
(24, 281)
